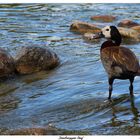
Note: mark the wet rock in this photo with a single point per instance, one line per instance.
(34, 59)
(104, 18)
(127, 23)
(89, 37)
(7, 65)
(129, 33)
(84, 27)
(137, 28)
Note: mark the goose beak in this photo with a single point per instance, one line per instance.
(98, 35)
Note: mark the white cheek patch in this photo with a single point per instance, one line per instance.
(106, 33)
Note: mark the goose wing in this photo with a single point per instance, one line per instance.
(124, 58)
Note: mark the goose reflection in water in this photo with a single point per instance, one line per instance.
(134, 111)
(115, 121)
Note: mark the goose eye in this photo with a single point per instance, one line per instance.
(107, 29)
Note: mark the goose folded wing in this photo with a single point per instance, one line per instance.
(124, 58)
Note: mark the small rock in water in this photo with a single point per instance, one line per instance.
(89, 37)
(104, 18)
(34, 59)
(53, 38)
(7, 64)
(127, 23)
(84, 27)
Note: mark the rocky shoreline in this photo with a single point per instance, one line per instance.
(34, 59)
(128, 29)
(28, 60)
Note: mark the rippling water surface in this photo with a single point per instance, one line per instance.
(73, 97)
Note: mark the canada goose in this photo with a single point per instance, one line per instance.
(119, 62)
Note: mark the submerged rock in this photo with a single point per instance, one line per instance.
(129, 33)
(89, 37)
(127, 23)
(104, 18)
(34, 59)
(7, 65)
(84, 27)
(54, 38)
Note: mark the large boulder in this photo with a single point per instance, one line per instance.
(104, 18)
(127, 23)
(34, 59)
(7, 65)
(84, 27)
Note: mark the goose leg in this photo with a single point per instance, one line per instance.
(131, 86)
(110, 81)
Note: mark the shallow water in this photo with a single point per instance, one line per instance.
(74, 95)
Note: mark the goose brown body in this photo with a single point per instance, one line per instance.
(119, 62)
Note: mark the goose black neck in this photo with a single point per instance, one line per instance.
(117, 41)
(116, 36)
